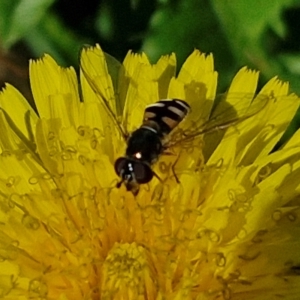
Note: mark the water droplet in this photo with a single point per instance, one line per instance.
(51, 135)
(93, 193)
(33, 180)
(249, 257)
(11, 181)
(258, 237)
(82, 159)
(53, 151)
(46, 176)
(221, 260)
(81, 130)
(70, 149)
(277, 215)
(163, 167)
(263, 173)
(10, 252)
(213, 236)
(219, 163)
(30, 222)
(94, 143)
(292, 217)
(231, 194)
(242, 234)
(66, 156)
(36, 286)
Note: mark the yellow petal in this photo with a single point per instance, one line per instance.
(55, 90)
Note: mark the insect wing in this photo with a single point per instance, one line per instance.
(95, 70)
(222, 116)
(141, 89)
(234, 108)
(117, 73)
(126, 91)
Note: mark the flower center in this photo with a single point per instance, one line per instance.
(125, 271)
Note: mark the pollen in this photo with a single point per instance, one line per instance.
(126, 272)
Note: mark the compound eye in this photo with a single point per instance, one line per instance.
(120, 165)
(142, 172)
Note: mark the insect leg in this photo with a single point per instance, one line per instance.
(173, 170)
(156, 176)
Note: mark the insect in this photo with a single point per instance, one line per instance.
(147, 143)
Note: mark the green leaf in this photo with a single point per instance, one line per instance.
(6, 9)
(250, 28)
(247, 25)
(291, 62)
(182, 26)
(19, 17)
(52, 37)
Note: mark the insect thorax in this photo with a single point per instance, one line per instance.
(146, 143)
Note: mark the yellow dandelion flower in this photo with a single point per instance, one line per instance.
(227, 228)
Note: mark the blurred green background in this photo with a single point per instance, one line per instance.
(262, 34)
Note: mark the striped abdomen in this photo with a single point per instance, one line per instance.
(165, 115)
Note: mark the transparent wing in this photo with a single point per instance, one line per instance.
(112, 90)
(116, 72)
(102, 71)
(125, 92)
(228, 110)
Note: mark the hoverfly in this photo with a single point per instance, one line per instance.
(147, 143)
